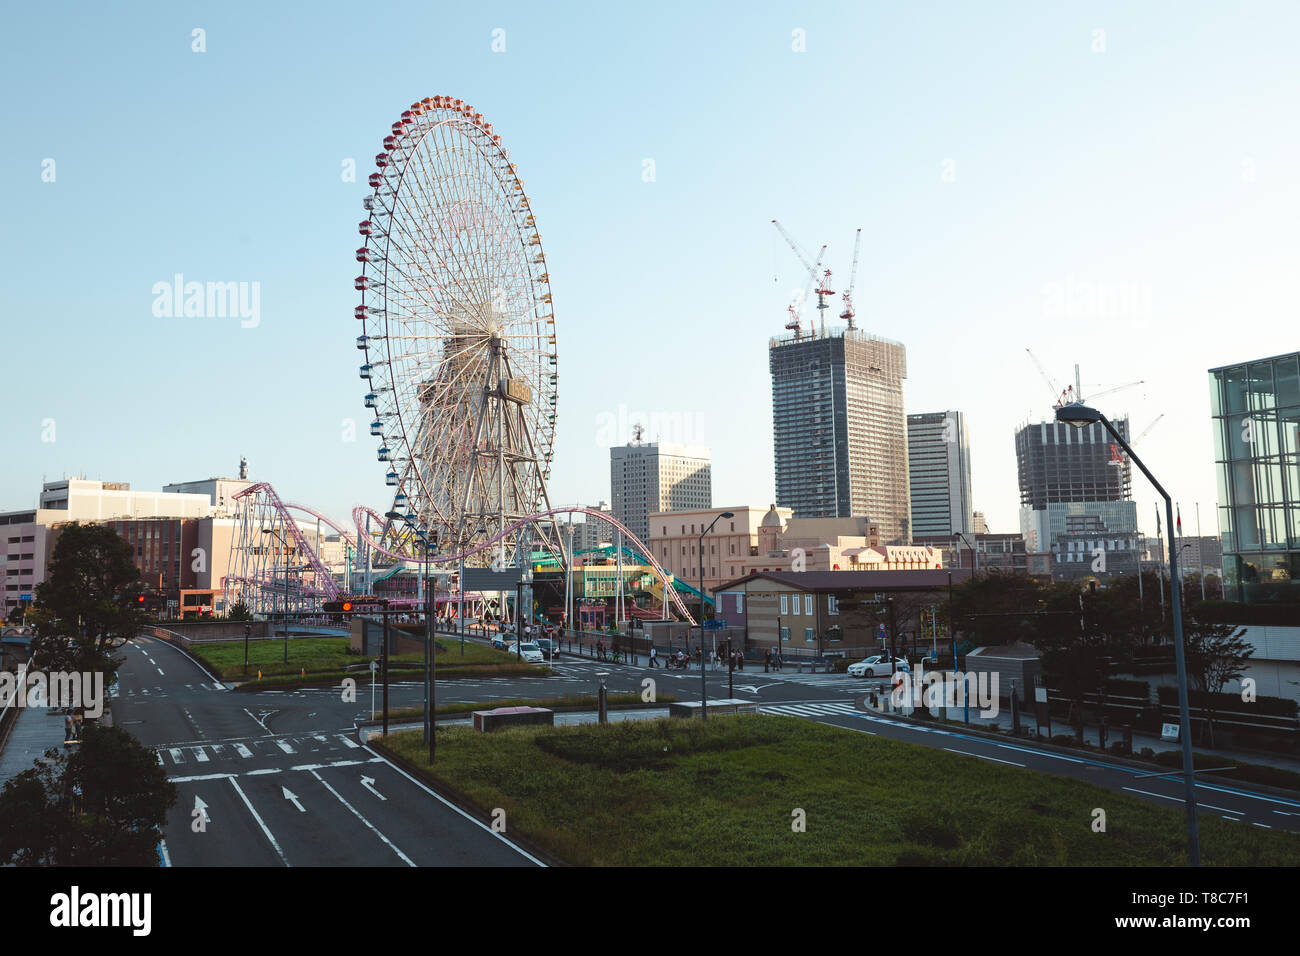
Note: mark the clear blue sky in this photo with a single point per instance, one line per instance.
(1164, 170)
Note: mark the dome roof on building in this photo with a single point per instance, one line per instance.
(771, 519)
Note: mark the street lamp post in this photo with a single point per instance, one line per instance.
(1080, 416)
(704, 687)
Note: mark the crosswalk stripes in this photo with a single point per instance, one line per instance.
(234, 751)
(157, 690)
(826, 709)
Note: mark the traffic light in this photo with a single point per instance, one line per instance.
(347, 607)
(139, 599)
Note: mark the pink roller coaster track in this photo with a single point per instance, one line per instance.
(360, 512)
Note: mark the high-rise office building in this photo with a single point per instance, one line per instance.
(1256, 415)
(840, 429)
(646, 477)
(1075, 486)
(938, 463)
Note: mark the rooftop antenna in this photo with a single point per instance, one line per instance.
(243, 468)
(637, 432)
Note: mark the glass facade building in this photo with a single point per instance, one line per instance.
(1256, 414)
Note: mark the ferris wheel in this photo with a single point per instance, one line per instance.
(458, 336)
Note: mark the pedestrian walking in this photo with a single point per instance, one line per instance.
(767, 660)
(652, 656)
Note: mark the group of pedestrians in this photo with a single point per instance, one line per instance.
(772, 660)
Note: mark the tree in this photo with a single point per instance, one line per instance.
(239, 612)
(105, 805)
(88, 602)
(1215, 654)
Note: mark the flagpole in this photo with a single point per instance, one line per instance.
(1160, 568)
(1200, 544)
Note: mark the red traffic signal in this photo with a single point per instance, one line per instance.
(347, 607)
(139, 599)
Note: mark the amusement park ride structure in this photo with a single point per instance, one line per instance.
(460, 366)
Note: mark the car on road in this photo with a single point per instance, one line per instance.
(529, 652)
(877, 665)
(549, 647)
(499, 641)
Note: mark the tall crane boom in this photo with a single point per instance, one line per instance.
(1057, 394)
(848, 312)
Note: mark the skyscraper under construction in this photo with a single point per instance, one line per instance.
(839, 427)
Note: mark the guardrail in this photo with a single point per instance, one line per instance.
(9, 710)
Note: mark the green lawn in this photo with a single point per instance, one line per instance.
(325, 659)
(681, 792)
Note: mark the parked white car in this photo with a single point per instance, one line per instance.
(878, 665)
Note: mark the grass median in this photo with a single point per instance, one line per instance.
(324, 660)
(731, 791)
(573, 702)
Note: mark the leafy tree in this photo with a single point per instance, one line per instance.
(88, 602)
(239, 612)
(1215, 655)
(105, 805)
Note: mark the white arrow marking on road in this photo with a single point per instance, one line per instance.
(288, 795)
(202, 807)
(369, 784)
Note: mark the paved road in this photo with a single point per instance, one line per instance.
(281, 780)
(252, 760)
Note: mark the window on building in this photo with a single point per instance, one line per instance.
(808, 636)
(785, 634)
(785, 604)
(807, 604)
(832, 605)
(740, 604)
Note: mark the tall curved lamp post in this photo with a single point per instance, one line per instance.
(1081, 416)
(704, 687)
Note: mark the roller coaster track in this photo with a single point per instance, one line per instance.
(329, 587)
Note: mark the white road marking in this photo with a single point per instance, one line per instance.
(292, 798)
(243, 751)
(405, 859)
(274, 845)
(284, 745)
(259, 773)
(176, 756)
(347, 740)
(967, 753)
(1160, 795)
(479, 823)
(199, 755)
(1264, 825)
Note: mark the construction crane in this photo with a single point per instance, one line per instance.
(847, 314)
(1074, 393)
(1117, 456)
(1115, 388)
(1058, 394)
(795, 323)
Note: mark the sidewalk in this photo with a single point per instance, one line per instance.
(1115, 732)
(36, 730)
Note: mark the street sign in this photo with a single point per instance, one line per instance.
(713, 624)
(1169, 731)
